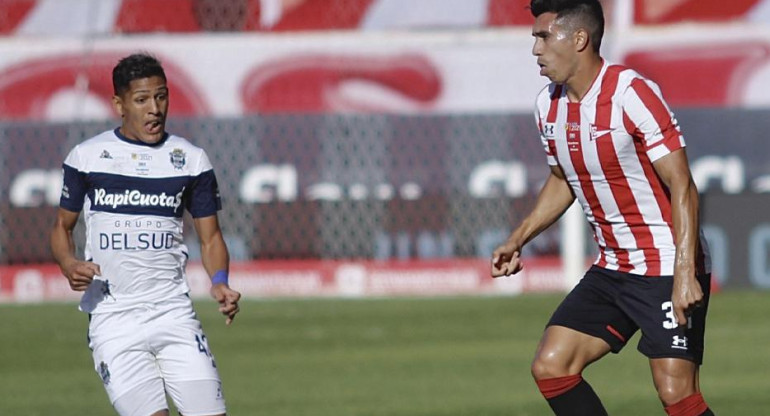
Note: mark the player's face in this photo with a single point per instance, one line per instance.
(144, 108)
(554, 48)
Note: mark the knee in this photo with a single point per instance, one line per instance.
(547, 365)
(674, 393)
(674, 380)
(674, 390)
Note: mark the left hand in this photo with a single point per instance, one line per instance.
(228, 301)
(686, 296)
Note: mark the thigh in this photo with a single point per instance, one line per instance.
(187, 363)
(198, 397)
(144, 399)
(122, 358)
(591, 308)
(648, 302)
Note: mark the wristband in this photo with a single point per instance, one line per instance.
(219, 277)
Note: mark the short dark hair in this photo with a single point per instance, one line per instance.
(588, 15)
(135, 66)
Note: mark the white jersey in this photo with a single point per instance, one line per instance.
(606, 145)
(133, 196)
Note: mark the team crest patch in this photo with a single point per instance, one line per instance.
(178, 158)
(104, 373)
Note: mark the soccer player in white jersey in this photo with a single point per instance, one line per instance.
(613, 144)
(133, 185)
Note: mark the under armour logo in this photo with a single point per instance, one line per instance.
(548, 129)
(680, 343)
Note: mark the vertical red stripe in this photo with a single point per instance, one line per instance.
(660, 113)
(618, 181)
(553, 110)
(612, 170)
(659, 190)
(587, 186)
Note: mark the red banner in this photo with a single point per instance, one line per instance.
(319, 278)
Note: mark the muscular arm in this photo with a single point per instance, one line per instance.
(213, 249)
(78, 273)
(674, 170)
(554, 198)
(216, 258)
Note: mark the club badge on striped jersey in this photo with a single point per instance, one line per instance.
(178, 158)
(599, 131)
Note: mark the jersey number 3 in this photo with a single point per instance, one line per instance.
(670, 321)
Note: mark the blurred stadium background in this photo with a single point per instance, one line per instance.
(372, 148)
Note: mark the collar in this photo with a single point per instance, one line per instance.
(120, 136)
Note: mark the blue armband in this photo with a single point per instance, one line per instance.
(219, 277)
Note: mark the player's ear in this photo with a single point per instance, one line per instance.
(582, 40)
(117, 103)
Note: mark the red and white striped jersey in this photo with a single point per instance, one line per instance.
(606, 144)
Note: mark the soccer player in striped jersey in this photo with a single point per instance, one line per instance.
(613, 144)
(133, 184)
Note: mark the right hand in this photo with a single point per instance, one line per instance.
(80, 274)
(506, 260)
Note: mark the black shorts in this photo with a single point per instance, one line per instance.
(612, 306)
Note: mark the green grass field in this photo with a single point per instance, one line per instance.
(405, 357)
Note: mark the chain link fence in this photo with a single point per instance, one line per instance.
(317, 186)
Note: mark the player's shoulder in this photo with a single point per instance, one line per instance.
(626, 76)
(179, 141)
(183, 145)
(102, 144)
(100, 139)
(186, 155)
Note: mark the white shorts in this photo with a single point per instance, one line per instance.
(144, 353)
